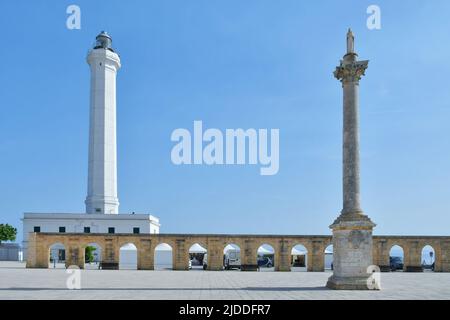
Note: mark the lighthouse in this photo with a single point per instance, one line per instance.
(102, 204)
(104, 63)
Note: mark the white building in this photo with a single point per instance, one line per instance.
(102, 204)
(10, 252)
(87, 223)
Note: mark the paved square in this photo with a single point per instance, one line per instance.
(16, 282)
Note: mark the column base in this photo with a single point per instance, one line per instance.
(283, 269)
(352, 253)
(211, 268)
(180, 268)
(249, 267)
(350, 283)
(145, 268)
(36, 266)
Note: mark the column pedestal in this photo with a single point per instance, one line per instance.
(352, 255)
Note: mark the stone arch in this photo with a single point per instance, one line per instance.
(172, 242)
(166, 240)
(228, 245)
(163, 256)
(270, 242)
(236, 241)
(305, 243)
(57, 241)
(232, 256)
(397, 256)
(97, 255)
(202, 243)
(125, 241)
(198, 255)
(56, 256)
(328, 256)
(90, 240)
(428, 257)
(265, 254)
(298, 257)
(326, 244)
(128, 256)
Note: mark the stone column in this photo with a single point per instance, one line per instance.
(316, 257)
(413, 257)
(282, 256)
(38, 252)
(215, 254)
(437, 258)
(145, 258)
(381, 255)
(352, 230)
(445, 256)
(75, 256)
(248, 255)
(111, 254)
(180, 255)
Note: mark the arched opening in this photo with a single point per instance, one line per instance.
(163, 258)
(396, 258)
(57, 256)
(299, 258)
(128, 257)
(198, 257)
(266, 258)
(328, 260)
(92, 256)
(232, 257)
(428, 258)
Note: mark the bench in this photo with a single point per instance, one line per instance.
(108, 266)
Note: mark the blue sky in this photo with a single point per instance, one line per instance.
(231, 64)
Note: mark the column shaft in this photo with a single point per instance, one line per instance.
(351, 198)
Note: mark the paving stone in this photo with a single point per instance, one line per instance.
(16, 282)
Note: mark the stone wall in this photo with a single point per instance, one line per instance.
(75, 243)
(10, 252)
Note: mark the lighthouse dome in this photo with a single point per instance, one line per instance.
(103, 40)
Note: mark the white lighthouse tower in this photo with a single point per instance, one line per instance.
(102, 204)
(102, 175)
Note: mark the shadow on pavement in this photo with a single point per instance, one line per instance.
(175, 289)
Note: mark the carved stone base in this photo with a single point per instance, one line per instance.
(352, 253)
(249, 267)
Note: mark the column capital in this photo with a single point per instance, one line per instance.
(350, 71)
(353, 222)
